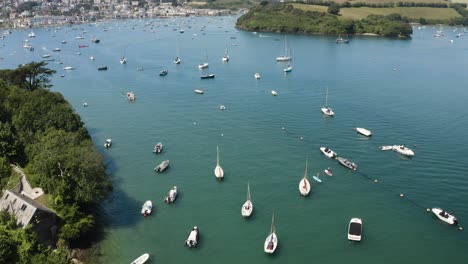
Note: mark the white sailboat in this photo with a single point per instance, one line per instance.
(271, 242)
(304, 184)
(287, 53)
(218, 171)
(226, 56)
(247, 207)
(177, 60)
(327, 110)
(123, 59)
(203, 65)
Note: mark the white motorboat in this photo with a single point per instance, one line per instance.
(271, 242)
(304, 184)
(192, 239)
(79, 37)
(162, 166)
(274, 93)
(56, 50)
(158, 148)
(386, 147)
(31, 35)
(218, 171)
(363, 131)
(108, 142)
(68, 68)
(46, 56)
(327, 110)
(131, 96)
(403, 150)
(355, 229)
(448, 218)
(123, 60)
(257, 75)
(198, 91)
(222, 107)
(147, 208)
(288, 69)
(141, 259)
(64, 41)
(328, 152)
(348, 164)
(171, 196)
(203, 65)
(247, 207)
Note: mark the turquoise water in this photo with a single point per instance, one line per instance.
(421, 103)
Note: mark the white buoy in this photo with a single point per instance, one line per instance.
(401, 195)
(194, 123)
(376, 181)
(222, 134)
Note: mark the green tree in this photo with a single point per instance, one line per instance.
(8, 141)
(334, 9)
(34, 75)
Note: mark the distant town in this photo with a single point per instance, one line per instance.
(38, 13)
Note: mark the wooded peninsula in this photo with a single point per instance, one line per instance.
(41, 133)
(284, 18)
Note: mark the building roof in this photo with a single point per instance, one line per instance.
(22, 207)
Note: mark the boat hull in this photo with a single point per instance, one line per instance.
(219, 172)
(271, 242)
(304, 187)
(247, 208)
(348, 164)
(327, 111)
(141, 259)
(363, 131)
(328, 152)
(444, 216)
(355, 229)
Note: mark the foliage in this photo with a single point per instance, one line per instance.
(41, 131)
(334, 9)
(20, 245)
(29, 76)
(285, 18)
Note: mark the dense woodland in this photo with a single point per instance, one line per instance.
(40, 131)
(284, 18)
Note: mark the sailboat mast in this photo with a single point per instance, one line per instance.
(248, 191)
(217, 156)
(326, 98)
(273, 223)
(307, 164)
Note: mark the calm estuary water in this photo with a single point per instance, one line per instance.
(411, 92)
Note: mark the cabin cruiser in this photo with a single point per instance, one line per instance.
(402, 149)
(146, 208)
(355, 229)
(171, 196)
(328, 152)
(108, 143)
(192, 239)
(158, 148)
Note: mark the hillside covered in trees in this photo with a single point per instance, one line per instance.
(40, 131)
(285, 18)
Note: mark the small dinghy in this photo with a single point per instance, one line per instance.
(108, 142)
(348, 164)
(158, 148)
(448, 218)
(198, 91)
(271, 242)
(162, 166)
(328, 152)
(147, 208)
(171, 196)
(355, 229)
(247, 207)
(257, 75)
(304, 184)
(274, 93)
(317, 177)
(328, 171)
(192, 239)
(288, 69)
(222, 107)
(141, 259)
(104, 68)
(403, 150)
(363, 131)
(386, 147)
